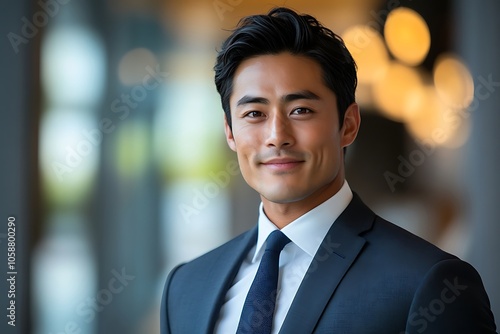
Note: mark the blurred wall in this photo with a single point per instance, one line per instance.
(477, 34)
(19, 197)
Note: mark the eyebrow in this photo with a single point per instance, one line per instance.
(300, 95)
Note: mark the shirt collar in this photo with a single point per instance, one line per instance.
(309, 230)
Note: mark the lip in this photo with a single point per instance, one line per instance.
(282, 164)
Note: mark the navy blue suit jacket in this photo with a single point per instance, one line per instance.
(368, 276)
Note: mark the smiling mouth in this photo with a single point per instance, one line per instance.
(282, 164)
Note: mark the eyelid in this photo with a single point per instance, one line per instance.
(247, 114)
(309, 110)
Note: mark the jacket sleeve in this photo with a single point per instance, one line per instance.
(164, 319)
(451, 299)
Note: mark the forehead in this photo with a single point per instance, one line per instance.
(277, 63)
(278, 72)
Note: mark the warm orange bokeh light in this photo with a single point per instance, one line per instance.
(407, 36)
(435, 123)
(453, 81)
(369, 52)
(398, 92)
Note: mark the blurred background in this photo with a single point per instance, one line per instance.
(115, 166)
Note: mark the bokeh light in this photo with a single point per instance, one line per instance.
(407, 36)
(73, 66)
(398, 92)
(453, 81)
(188, 131)
(369, 52)
(435, 123)
(69, 155)
(132, 152)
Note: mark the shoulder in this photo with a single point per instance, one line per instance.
(199, 268)
(201, 280)
(402, 246)
(446, 293)
(387, 241)
(392, 254)
(388, 250)
(451, 298)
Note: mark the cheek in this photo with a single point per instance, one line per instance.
(324, 147)
(248, 170)
(319, 138)
(244, 154)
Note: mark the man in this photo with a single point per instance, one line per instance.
(287, 87)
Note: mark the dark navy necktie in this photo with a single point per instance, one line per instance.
(258, 309)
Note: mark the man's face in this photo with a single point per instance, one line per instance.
(285, 129)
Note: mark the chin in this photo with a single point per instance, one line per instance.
(282, 196)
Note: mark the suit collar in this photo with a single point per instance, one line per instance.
(225, 270)
(336, 254)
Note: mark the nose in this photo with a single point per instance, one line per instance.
(279, 132)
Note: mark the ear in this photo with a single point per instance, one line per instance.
(350, 127)
(229, 135)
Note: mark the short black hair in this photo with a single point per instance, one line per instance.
(283, 30)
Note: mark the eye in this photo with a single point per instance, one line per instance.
(254, 114)
(301, 111)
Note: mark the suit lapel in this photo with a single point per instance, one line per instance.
(224, 271)
(336, 254)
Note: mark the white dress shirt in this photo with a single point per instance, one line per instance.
(306, 234)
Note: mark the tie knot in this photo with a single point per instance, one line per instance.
(276, 241)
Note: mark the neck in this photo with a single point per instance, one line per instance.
(282, 214)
